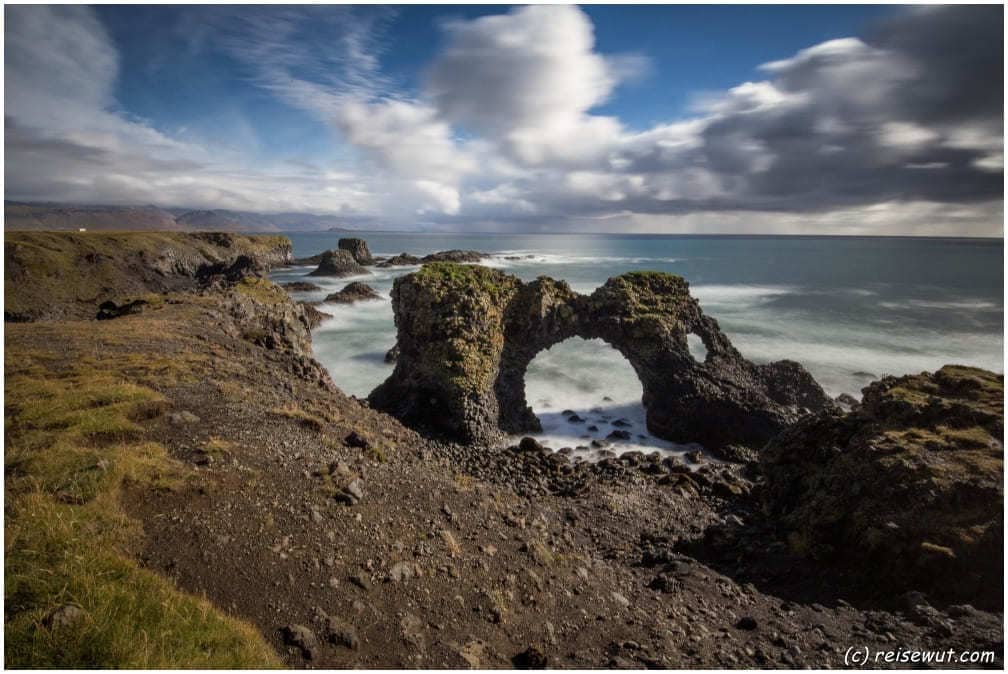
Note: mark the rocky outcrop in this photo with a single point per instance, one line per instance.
(906, 491)
(313, 315)
(63, 275)
(338, 263)
(405, 259)
(466, 335)
(301, 286)
(400, 260)
(353, 292)
(358, 249)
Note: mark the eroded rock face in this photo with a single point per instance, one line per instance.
(906, 490)
(338, 263)
(358, 249)
(466, 335)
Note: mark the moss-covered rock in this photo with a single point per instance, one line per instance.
(906, 491)
(58, 275)
(466, 335)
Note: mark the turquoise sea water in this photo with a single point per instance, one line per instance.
(849, 309)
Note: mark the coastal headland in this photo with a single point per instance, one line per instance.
(181, 472)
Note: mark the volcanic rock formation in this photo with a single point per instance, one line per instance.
(906, 491)
(338, 263)
(358, 249)
(466, 335)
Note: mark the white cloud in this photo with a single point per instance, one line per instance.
(528, 80)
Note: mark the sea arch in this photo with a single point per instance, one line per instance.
(466, 335)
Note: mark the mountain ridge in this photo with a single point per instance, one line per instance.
(20, 215)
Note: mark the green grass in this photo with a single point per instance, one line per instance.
(73, 443)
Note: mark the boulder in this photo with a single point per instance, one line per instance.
(301, 286)
(466, 335)
(353, 292)
(109, 310)
(358, 249)
(905, 492)
(338, 263)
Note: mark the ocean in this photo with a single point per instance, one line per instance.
(850, 309)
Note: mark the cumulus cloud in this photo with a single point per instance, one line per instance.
(529, 78)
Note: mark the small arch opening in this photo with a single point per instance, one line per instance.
(587, 397)
(696, 347)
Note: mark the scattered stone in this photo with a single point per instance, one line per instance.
(618, 435)
(747, 623)
(403, 571)
(528, 444)
(109, 310)
(361, 581)
(353, 439)
(620, 599)
(530, 658)
(302, 638)
(622, 423)
(182, 418)
(63, 617)
(342, 633)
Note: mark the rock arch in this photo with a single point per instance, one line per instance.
(466, 335)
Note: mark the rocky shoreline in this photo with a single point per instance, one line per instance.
(348, 539)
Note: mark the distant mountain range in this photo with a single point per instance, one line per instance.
(27, 216)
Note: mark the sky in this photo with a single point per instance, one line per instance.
(710, 119)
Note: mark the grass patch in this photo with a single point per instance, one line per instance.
(73, 442)
(294, 412)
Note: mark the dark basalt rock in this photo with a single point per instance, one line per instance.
(405, 259)
(400, 260)
(392, 355)
(353, 292)
(338, 263)
(906, 491)
(358, 249)
(228, 272)
(301, 286)
(466, 335)
(109, 310)
(313, 315)
(454, 256)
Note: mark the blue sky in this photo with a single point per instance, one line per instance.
(840, 119)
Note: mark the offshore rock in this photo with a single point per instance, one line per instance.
(466, 335)
(338, 263)
(905, 491)
(358, 249)
(353, 292)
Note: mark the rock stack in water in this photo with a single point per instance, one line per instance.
(466, 335)
(358, 249)
(353, 292)
(338, 263)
